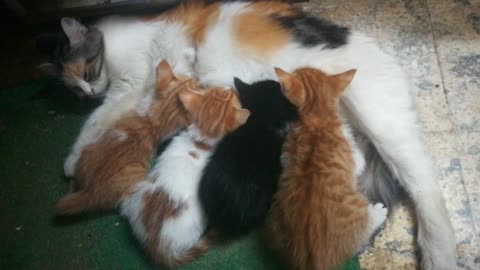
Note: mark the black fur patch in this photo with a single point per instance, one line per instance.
(238, 183)
(310, 30)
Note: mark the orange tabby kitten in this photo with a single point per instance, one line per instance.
(318, 219)
(165, 213)
(121, 157)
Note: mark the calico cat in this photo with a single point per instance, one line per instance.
(319, 219)
(114, 58)
(121, 157)
(165, 213)
(246, 39)
(241, 176)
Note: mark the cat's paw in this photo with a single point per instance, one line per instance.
(377, 215)
(70, 164)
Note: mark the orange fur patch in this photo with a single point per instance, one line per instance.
(202, 146)
(197, 15)
(200, 22)
(193, 154)
(74, 70)
(318, 219)
(108, 168)
(215, 111)
(256, 32)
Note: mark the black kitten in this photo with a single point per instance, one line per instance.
(238, 184)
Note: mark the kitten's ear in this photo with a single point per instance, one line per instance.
(189, 99)
(342, 80)
(292, 88)
(239, 84)
(164, 72)
(241, 116)
(48, 68)
(74, 30)
(285, 78)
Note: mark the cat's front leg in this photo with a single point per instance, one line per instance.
(90, 132)
(102, 118)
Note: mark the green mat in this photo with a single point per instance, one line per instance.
(38, 122)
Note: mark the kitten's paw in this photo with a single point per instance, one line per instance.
(377, 215)
(70, 164)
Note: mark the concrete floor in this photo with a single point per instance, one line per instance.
(438, 43)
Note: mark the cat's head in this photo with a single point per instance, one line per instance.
(79, 59)
(266, 102)
(310, 89)
(168, 86)
(214, 111)
(167, 83)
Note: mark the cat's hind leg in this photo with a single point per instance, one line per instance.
(99, 121)
(381, 108)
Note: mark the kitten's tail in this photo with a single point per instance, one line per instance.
(82, 201)
(72, 203)
(174, 261)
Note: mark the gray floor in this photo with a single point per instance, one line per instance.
(438, 43)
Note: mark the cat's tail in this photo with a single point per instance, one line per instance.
(179, 259)
(72, 203)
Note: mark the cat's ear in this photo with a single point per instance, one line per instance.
(48, 68)
(164, 72)
(189, 99)
(74, 30)
(342, 80)
(93, 43)
(286, 79)
(239, 84)
(241, 116)
(291, 87)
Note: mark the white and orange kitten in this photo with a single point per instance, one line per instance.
(164, 211)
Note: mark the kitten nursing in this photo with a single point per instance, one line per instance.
(165, 212)
(241, 177)
(218, 41)
(121, 157)
(318, 219)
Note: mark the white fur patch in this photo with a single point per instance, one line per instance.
(120, 135)
(178, 174)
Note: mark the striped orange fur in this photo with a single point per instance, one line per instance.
(121, 157)
(215, 112)
(318, 219)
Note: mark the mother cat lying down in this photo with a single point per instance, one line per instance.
(246, 40)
